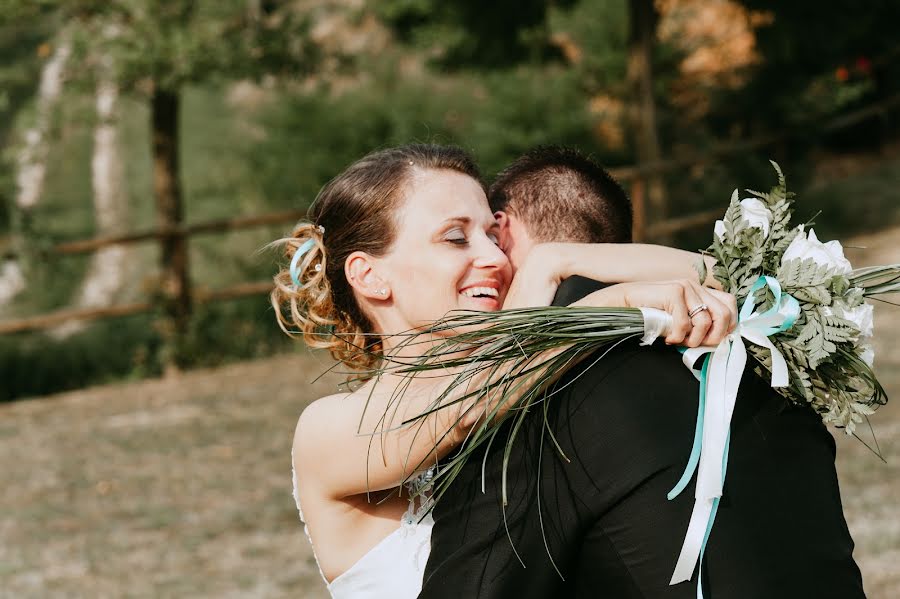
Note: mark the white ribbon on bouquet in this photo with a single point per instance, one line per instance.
(720, 377)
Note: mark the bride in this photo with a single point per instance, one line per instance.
(396, 241)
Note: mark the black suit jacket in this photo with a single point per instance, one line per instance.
(593, 521)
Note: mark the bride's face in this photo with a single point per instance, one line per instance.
(445, 255)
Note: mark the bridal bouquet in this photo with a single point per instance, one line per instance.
(826, 350)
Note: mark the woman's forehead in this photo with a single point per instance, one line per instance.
(437, 195)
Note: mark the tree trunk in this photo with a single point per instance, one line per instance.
(174, 281)
(31, 166)
(105, 275)
(32, 161)
(642, 33)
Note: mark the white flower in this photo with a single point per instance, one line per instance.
(719, 230)
(863, 317)
(756, 214)
(829, 254)
(867, 354)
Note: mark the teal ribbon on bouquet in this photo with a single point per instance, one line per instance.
(720, 376)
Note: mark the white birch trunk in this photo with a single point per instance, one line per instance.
(105, 274)
(12, 281)
(31, 164)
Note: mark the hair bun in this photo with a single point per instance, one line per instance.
(304, 303)
(359, 206)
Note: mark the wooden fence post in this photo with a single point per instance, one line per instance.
(174, 283)
(638, 210)
(643, 18)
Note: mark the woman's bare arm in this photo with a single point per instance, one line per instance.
(628, 262)
(548, 264)
(394, 452)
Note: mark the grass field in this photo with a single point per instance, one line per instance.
(181, 488)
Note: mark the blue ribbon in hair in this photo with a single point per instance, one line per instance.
(295, 261)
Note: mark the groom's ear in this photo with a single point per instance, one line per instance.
(502, 219)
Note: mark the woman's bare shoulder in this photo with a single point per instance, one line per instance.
(324, 430)
(321, 415)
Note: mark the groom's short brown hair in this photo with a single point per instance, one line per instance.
(562, 195)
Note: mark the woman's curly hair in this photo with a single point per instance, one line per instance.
(357, 212)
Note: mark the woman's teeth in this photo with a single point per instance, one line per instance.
(476, 291)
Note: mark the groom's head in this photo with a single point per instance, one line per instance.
(554, 193)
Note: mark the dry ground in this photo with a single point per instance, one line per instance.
(181, 488)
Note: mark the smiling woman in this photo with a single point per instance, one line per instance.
(358, 210)
(400, 238)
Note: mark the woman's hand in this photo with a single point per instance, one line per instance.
(678, 298)
(539, 275)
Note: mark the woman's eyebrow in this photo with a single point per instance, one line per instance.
(465, 220)
(446, 225)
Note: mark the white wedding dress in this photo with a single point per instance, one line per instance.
(394, 567)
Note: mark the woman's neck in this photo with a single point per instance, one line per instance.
(420, 349)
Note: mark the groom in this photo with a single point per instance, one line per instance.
(590, 518)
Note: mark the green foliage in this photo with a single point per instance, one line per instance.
(174, 42)
(466, 33)
(37, 364)
(795, 83)
(311, 138)
(820, 334)
(803, 273)
(599, 29)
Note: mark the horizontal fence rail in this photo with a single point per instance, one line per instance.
(214, 226)
(629, 173)
(53, 319)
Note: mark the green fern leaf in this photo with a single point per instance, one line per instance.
(816, 294)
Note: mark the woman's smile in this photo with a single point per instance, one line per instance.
(483, 295)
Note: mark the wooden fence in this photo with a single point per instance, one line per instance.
(631, 176)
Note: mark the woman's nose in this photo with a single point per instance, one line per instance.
(490, 256)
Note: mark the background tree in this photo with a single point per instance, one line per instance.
(23, 36)
(157, 47)
(818, 59)
(478, 35)
(647, 195)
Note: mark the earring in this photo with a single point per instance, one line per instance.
(383, 292)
